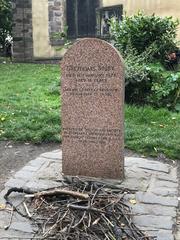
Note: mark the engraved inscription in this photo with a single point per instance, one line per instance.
(92, 135)
(89, 80)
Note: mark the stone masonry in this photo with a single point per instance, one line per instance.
(56, 19)
(154, 203)
(22, 30)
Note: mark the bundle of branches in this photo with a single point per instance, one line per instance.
(82, 210)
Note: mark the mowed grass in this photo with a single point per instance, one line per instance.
(152, 132)
(30, 111)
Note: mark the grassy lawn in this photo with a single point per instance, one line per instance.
(30, 111)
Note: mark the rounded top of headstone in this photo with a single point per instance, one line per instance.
(95, 48)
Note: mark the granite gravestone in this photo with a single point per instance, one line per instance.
(92, 110)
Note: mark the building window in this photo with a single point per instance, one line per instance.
(81, 17)
(103, 15)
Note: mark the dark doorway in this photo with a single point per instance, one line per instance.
(81, 17)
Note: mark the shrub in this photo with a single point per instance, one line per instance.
(142, 31)
(6, 20)
(136, 76)
(143, 40)
(165, 88)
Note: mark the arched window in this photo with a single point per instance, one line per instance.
(81, 17)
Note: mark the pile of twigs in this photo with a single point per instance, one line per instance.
(81, 210)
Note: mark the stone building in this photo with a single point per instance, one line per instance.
(35, 21)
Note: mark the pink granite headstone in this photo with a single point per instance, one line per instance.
(92, 110)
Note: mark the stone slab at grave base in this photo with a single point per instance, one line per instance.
(154, 200)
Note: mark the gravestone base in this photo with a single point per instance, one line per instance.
(112, 183)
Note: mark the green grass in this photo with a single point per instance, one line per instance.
(30, 111)
(151, 132)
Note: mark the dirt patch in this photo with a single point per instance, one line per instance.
(13, 156)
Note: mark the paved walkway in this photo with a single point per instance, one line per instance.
(154, 203)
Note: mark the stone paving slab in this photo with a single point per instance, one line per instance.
(154, 204)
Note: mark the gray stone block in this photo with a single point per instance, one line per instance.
(30, 168)
(25, 175)
(15, 182)
(166, 184)
(153, 199)
(135, 184)
(52, 172)
(157, 222)
(52, 155)
(22, 227)
(136, 173)
(39, 185)
(155, 166)
(153, 209)
(165, 235)
(17, 235)
(38, 162)
(165, 192)
(148, 165)
(172, 177)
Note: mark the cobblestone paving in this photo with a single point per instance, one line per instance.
(154, 204)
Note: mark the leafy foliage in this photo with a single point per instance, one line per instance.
(6, 20)
(136, 76)
(142, 31)
(165, 88)
(142, 40)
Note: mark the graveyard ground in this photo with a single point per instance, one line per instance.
(29, 112)
(17, 155)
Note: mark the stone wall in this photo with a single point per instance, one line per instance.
(22, 30)
(56, 19)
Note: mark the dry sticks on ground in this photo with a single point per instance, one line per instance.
(81, 210)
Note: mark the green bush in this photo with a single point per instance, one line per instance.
(5, 20)
(142, 31)
(165, 87)
(143, 40)
(136, 76)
